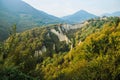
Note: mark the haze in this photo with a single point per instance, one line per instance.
(61, 8)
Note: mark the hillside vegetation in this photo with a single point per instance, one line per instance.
(23, 15)
(90, 52)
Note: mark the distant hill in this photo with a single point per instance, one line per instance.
(117, 14)
(79, 16)
(22, 14)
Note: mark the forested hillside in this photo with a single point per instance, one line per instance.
(91, 51)
(23, 15)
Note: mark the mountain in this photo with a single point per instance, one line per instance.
(59, 52)
(79, 16)
(117, 13)
(23, 15)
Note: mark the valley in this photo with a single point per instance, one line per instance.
(35, 45)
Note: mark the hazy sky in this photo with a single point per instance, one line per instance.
(61, 8)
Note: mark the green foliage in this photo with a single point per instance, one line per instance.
(95, 55)
(25, 17)
(13, 74)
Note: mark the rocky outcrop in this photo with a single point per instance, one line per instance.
(40, 52)
(60, 35)
(68, 27)
(61, 29)
(37, 53)
(43, 49)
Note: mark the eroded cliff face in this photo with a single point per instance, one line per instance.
(62, 31)
(64, 28)
(60, 35)
(68, 27)
(40, 52)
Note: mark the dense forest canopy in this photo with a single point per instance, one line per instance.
(90, 52)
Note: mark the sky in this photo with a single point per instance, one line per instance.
(62, 8)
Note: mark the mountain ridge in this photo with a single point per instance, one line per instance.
(79, 16)
(23, 15)
(116, 13)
